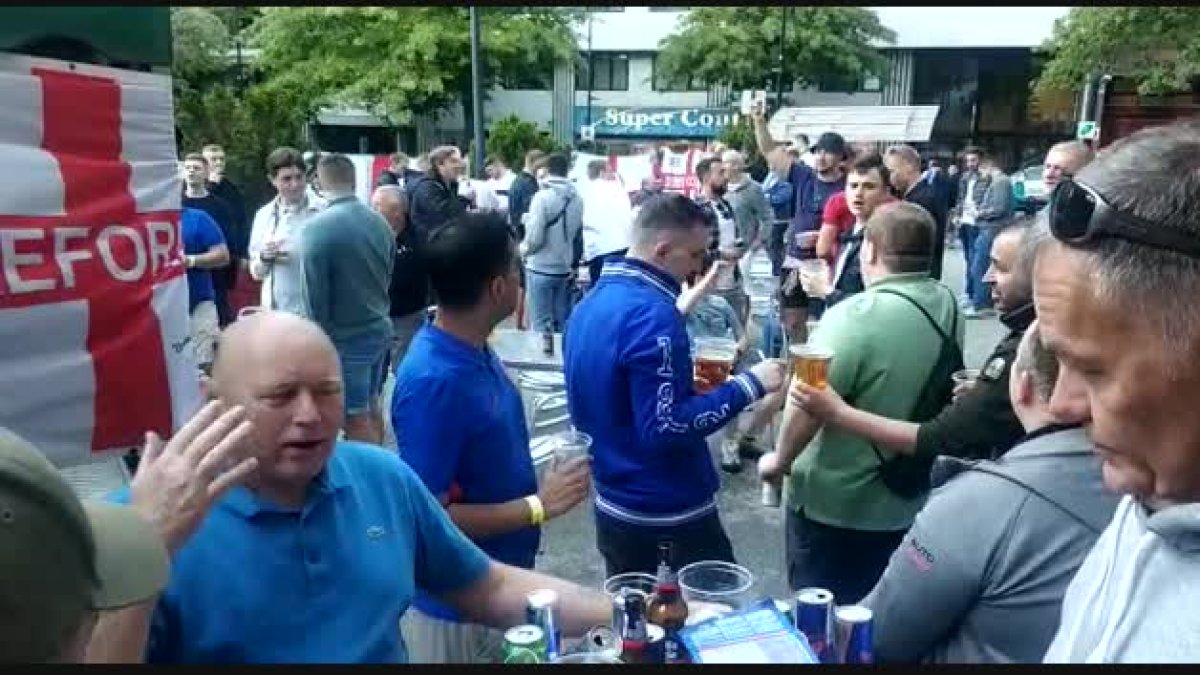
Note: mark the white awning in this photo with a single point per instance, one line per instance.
(857, 124)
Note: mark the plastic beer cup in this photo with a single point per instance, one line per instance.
(811, 364)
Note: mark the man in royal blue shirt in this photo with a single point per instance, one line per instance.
(316, 554)
(630, 386)
(204, 250)
(460, 425)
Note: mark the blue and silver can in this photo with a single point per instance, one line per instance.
(541, 610)
(856, 626)
(814, 619)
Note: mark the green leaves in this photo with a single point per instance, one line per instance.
(200, 42)
(403, 60)
(511, 137)
(1156, 47)
(739, 46)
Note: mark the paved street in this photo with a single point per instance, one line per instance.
(568, 544)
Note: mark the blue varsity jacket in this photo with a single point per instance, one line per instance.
(628, 367)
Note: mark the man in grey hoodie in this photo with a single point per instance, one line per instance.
(1116, 302)
(980, 576)
(552, 248)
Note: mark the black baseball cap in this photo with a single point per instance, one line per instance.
(832, 143)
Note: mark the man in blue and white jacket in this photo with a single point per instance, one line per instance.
(629, 385)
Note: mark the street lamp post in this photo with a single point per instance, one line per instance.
(591, 63)
(779, 73)
(476, 96)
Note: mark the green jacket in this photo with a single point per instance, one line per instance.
(884, 351)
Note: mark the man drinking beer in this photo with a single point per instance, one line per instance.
(629, 372)
(844, 521)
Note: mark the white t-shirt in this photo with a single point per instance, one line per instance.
(607, 217)
(500, 186)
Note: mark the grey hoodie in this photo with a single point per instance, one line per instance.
(980, 576)
(1135, 598)
(549, 242)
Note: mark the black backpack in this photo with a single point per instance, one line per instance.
(908, 475)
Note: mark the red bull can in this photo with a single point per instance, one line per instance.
(814, 619)
(541, 610)
(856, 626)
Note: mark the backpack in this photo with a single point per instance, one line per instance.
(907, 475)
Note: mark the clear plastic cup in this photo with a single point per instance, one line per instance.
(712, 588)
(631, 582)
(571, 444)
(713, 362)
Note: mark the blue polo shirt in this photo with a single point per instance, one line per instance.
(323, 584)
(200, 233)
(460, 425)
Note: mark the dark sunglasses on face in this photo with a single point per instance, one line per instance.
(1079, 214)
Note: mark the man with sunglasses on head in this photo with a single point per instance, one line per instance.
(1116, 300)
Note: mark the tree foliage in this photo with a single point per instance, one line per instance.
(210, 107)
(403, 61)
(738, 46)
(511, 137)
(1156, 47)
(200, 41)
(740, 136)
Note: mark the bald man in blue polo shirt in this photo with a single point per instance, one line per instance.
(318, 554)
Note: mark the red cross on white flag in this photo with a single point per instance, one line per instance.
(93, 297)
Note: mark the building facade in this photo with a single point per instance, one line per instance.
(976, 63)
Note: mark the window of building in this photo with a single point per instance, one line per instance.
(661, 84)
(611, 72)
(529, 78)
(849, 84)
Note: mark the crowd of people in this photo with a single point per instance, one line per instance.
(1044, 508)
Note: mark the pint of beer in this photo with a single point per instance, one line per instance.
(811, 364)
(713, 362)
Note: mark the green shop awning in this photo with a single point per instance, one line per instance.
(139, 35)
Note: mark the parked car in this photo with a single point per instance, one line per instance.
(1029, 192)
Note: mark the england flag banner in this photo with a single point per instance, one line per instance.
(93, 295)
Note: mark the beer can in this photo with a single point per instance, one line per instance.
(656, 644)
(541, 610)
(772, 493)
(524, 644)
(856, 626)
(814, 619)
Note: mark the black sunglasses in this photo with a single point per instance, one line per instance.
(1079, 214)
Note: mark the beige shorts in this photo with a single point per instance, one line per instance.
(431, 640)
(205, 328)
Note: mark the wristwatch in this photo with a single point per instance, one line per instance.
(189, 261)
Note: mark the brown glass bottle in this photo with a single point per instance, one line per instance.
(666, 608)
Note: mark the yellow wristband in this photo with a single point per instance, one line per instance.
(537, 512)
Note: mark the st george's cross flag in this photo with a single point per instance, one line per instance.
(93, 295)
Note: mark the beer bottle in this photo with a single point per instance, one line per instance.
(635, 639)
(667, 608)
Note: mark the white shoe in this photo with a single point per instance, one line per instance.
(731, 459)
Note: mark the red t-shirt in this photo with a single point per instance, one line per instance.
(837, 212)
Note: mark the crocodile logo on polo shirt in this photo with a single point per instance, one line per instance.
(375, 532)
